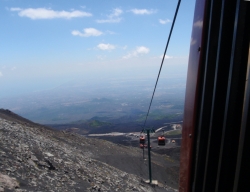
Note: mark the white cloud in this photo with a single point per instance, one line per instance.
(110, 32)
(112, 20)
(142, 49)
(116, 12)
(143, 11)
(113, 17)
(43, 13)
(103, 46)
(166, 57)
(15, 9)
(164, 21)
(138, 51)
(1, 74)
(87, 32)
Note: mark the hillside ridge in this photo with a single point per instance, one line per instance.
(37, 158)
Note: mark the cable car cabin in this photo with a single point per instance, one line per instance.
(142, 140)
(161, 140)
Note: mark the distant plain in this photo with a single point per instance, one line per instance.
(123, 99)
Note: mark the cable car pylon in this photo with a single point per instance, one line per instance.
(148, 131)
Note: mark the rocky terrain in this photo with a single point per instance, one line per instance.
(37, 158)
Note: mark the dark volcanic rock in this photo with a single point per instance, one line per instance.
(36, 158)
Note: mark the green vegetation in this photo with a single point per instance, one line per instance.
(174, 132)
(79, 122)
(96, 123)
(179, 106)
(141, 118)
(172, 116)
(159, 117)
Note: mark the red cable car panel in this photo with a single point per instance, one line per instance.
(142, 140)
(161, 140)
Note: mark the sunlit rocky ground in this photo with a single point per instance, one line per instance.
(37, 158)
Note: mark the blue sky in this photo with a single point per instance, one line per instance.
(47, 43)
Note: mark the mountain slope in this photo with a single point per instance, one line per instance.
(37, 158)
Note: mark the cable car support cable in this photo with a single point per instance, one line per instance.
(172, 26)
(161, 140)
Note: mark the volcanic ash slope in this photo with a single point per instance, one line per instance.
(37, 158)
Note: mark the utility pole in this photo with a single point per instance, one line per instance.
(149, 156)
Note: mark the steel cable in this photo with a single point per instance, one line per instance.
(172, 26)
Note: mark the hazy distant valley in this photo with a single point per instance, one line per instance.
(110, 103)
